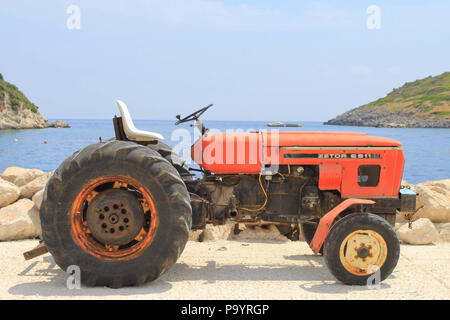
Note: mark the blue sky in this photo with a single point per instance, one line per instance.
(255, 60)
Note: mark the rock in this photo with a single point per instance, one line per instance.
(384, 118)
(293, 232)
(19, 221)
(11, 173)
(194, 235)
(422, 231)
(269, 232)
(435, 198)
(16, 111)
(444, 231)
(28, 190)
(215, 233)
(37, 198)
(24, 119)
(237, 232)
(391, 125)
(398, 225)
(21, 176)
(59, 124)
(414, 105)
(28, 176)
(9, 193)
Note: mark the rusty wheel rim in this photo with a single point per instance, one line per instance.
(114, 247)
(363, 252)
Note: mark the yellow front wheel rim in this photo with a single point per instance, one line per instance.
(363, 252)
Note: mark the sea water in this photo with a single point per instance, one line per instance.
(427, 151)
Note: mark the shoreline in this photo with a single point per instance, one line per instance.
(386, 125)
(54, 124)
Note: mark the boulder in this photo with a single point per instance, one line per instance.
(398, 225)
(37, 198)
(59, 124)
(422, 231)
(10, 173)
(435, 198)
(9, 193)
(194, 235)
(16, 221)
(28, 190)
(267, 233)
(21, 176)
(216, 233)
(444, 231)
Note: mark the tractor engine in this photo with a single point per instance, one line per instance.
(294, 177)
(290, 195)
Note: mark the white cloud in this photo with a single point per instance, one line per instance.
(360, 70)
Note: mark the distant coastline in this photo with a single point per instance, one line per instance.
(423, 103)
(17, 112)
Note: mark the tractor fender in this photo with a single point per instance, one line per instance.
(326, 221)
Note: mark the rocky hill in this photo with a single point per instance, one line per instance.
(17, 112)
(423, 103)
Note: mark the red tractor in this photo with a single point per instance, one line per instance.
(121, 210)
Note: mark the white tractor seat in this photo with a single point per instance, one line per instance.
(131, 131)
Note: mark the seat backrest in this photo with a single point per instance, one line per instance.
(130, 130)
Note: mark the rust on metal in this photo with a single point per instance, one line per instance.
(409, 216)
(91, 196)
(120, 184)
(115, 217)
(327, 220)
(39, 250)
(88, 226)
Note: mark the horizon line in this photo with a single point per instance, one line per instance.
(286, 121)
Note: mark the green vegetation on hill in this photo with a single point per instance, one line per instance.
(427, 98)
(423, 103)
(15, 98)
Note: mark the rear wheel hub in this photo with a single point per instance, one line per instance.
(115, 217)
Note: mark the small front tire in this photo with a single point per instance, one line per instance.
(359, 245)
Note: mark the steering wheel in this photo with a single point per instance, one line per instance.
(192, 116)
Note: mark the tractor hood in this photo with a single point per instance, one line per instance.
(325, 139)
(228, 153)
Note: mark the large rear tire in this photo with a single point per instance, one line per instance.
(115, 175)
(359, 245)
(167, 153)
